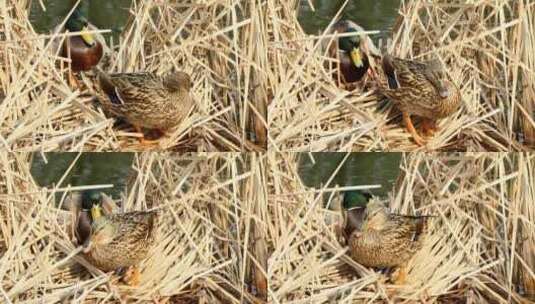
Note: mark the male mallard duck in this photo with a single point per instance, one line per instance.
(420, 89)
(354, 206)
(145, 99)
(386, 239)
(352, 51)
(80, 204)
(121, 240)
(356, 198)
(84, 50)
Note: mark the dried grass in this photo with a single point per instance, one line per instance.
(487, 47)
(215, 42)
(480, 248)
(209, 248)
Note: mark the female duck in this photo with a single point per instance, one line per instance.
(387, 240)
(120, 240)
(420, 89)
(146, 100)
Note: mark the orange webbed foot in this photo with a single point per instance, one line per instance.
(410, 127)
(143, 141)
(429, 127)
(400, 276)
(132, 276)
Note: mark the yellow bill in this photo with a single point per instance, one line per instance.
(96, 212)
(88, 38)
(356, 57)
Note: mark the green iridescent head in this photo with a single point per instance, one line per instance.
(78, 23)
(351, 45)
(90, 198)
(348, 44)
(356, 198)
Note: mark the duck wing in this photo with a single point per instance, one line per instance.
(122, 88)
(410, 227)
(136, 227)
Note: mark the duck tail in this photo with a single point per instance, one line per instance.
(154, 220)
(390, 71)
(101, 75)
(108, 87)
(420, 229)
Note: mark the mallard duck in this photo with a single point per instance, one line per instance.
(146, 100)
(420, 89)
(353, 51)
(354, 206)
(356, 198)
(387, 240)
(84, 50)
(120, 240)
(80, 203)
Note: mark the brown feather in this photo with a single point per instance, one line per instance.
(124, 239)
(420, 88)
(387, 240)
(145, 99)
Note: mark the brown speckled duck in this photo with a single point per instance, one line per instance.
(420, 89)
(119, 241)
(146, 100)
(386, 239)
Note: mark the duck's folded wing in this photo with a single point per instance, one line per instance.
(410, 227)
(403, 73)
(139, 226)
(125, 88)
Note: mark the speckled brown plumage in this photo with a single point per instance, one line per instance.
(145, 99)
(386, 240)
(420, 89)
(122, 239)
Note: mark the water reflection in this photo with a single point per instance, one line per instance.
(90, 169)
(103, 14)
(358, 169)
(372, 15)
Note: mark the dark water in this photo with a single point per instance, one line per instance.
(371, 15)
(359, 169)
(90, 169)
(104, 14)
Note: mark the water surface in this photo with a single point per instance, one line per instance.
(359, 169)
(104, 14)
(89, 169)
(371, 15)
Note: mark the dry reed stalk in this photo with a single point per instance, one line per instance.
(480, 249)
(487, 48)
(214, 42)
(211, 208)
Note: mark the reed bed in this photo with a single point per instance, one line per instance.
(215, 42)
(209, 249)
(487, 48)
(479, 249)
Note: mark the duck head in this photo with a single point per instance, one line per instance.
(78, 23)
